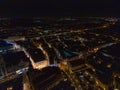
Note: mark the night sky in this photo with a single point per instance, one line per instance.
(60, 8)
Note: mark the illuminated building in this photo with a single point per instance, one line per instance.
(5, 46)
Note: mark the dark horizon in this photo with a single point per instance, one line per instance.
(59, 8)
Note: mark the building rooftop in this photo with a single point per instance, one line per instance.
(5, 45)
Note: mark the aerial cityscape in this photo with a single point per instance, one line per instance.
(60, 53)
(59, 44)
